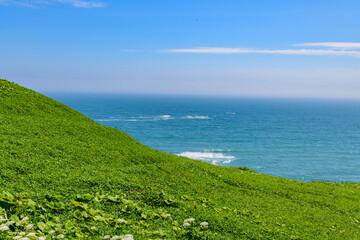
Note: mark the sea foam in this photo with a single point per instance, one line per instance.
(163, 117)
(197, 117)
(137, 119)
(209, 156)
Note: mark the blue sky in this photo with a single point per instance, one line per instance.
(212, 47)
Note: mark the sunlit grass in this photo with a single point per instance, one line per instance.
(70, 177)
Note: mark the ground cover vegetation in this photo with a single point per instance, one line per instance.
(63, 176)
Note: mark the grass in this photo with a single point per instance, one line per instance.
(64, 175)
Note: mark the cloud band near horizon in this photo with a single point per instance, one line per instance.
(343, 45)
(36, 3)
(221, 50)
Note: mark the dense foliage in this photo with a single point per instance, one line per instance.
(62, 175)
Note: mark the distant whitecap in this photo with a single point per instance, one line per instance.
(197, 117)
(163, 117)
(212, 157)
(109, 120)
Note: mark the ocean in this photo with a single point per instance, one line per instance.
(301, 139)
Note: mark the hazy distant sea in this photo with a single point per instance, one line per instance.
(298, 139)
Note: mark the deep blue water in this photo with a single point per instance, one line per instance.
(298, 139)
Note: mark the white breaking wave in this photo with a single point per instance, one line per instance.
(213, 157)
(150, 118)
(137, 119)
(163, 117)
(197, 117)
(109, 120)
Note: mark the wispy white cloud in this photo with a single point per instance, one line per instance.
(84, 4)
(344, 45)
(38, 3)
(17, 3)
(217, 50)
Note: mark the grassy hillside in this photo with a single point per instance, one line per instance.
(63, 175)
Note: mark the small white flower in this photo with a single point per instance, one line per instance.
(204, 224)
(4, 227)
(10, 223)
(25, 219)
(186, 224)
(20, 202)
(22, 233)
(2, 218)
(189, 220)
(120, 220)
(31, 235)
(25, 238)
(30, 226)
(60, 236)
(128, 237)
(107, 237)
(52, 232)
(93, 228)
(17, 237)
(42, 238)
(115, 237)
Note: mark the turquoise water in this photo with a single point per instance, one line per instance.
(298, 139)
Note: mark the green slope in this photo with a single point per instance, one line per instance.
(78, 174)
